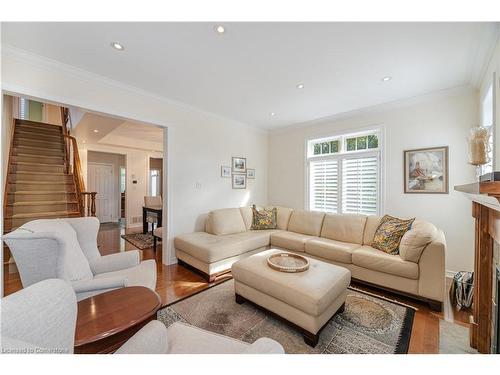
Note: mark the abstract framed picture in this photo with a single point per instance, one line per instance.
(250, 173)
(239, 165)
(239, 181)
(225, 171)
(426, 170)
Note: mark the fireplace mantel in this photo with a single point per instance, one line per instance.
(485, 197)
(484, 193)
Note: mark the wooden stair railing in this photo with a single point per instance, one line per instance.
(73, 165)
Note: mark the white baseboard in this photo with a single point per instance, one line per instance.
(451, 274)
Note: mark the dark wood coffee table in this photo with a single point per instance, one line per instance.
(104, 322)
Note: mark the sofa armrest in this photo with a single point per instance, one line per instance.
(432, 274)
(82, 286)
(151, 339)
(39, 319)
(115, 262)
(264, 345)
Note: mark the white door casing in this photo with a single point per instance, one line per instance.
(101, 180)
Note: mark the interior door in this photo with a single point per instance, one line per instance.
(100, 179)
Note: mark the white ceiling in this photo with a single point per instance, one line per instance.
(120, 133)
(253, 68)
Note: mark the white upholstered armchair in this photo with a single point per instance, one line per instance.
(42, 319)
(67, 249)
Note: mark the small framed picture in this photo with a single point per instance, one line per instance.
(426, 170)
(225, 171)
(239, 181)
(250, 173)
(239, 165)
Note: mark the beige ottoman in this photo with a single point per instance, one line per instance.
(307, 299)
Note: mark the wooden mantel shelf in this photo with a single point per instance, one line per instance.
(485, 197)
(485, 193)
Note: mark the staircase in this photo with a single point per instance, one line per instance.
(39, 184)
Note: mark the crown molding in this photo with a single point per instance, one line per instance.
(400, 103)
(43, 62)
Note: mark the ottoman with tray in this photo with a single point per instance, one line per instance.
(307, 299)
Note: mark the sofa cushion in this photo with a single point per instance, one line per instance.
(344, 227)
(225, 221)
(283, 217)
(372, 223)
(210, 248)
(378, 260)
(247, 215)
(335, 251)
(264, 218)
(389, 233)
(416, 239)
(73, 264)
(290, 240)
(306, 222)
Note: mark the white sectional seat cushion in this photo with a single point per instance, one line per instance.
(290, 240)
(416, 239)
(73, 265)
(284, 214)
(372, 223)
(335, 251)
(210, 248)
(225, 221)
(344, 227)
(306, 222)
(377, 260)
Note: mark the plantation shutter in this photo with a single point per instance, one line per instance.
(324, 185)
(360, 185)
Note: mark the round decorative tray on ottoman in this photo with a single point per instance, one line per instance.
(288, 262)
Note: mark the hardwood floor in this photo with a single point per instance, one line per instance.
(176, 282)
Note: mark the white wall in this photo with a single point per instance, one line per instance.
(436, 120)
(198, 142)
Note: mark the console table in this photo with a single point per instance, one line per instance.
(106, 321)
(485, 198)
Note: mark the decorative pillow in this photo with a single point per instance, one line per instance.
(416, 239)
(264, 219)
(389, 233)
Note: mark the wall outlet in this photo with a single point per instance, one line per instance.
(197, 185)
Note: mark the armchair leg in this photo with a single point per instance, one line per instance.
(154, 244)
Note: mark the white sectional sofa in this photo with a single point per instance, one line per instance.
(342, 239)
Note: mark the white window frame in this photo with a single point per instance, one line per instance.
(343, 154)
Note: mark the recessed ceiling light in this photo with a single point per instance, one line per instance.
(117, 46)
(273, 114)
(84, 141)
(386, 78)
(96, 131)
(300, 86)
(219, 29)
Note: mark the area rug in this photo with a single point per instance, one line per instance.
(369, 324)
(454, 339)
(139, 240)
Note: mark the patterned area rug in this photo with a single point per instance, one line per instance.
(139, 240)
(368, 325)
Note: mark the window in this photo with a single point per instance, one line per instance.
(344, 173)
(24, 109)
(154, 182)
(123, 180)
(487, 122)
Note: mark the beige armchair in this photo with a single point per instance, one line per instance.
(67, 249)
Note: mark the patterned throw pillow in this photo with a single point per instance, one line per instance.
(264, 219)
(389, 233)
